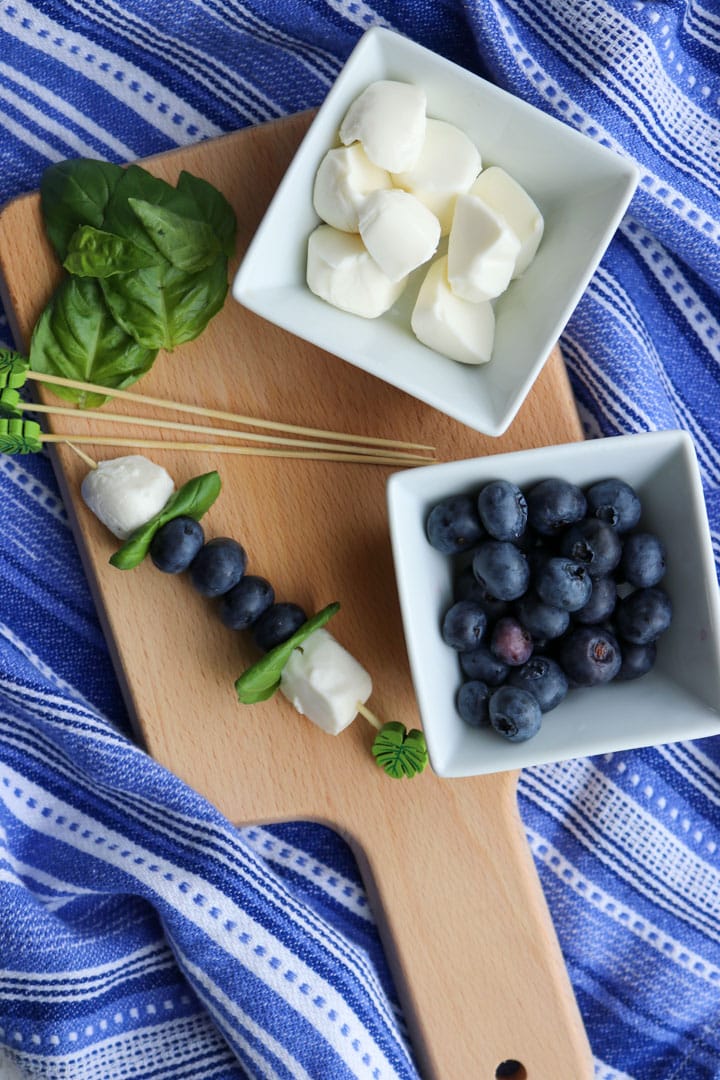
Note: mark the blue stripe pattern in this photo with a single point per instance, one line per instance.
(141, 934)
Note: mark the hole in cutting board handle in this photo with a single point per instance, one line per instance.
(510, 1070)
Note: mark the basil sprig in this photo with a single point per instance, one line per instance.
(147, 266)
(193, 500)
(261, 680)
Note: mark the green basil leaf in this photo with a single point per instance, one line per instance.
(137, 183)
(95, 253)
(211, 207)
(75, 193)
(193, 500)
(162, 307)
(187, 244)
(76, 337)
(261, 680)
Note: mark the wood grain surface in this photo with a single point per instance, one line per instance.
(452, 883)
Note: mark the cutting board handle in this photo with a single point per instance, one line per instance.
(475, 918)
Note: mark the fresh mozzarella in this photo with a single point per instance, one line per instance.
(511, 202)
(482, 250)
(448, 164)
(345, 176)
(399, 232)
(341, 271)
(388, 118)
(325, 682)
(126, 492)
(460, 329)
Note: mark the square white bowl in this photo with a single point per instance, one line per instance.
(679, 699)
(581, 188)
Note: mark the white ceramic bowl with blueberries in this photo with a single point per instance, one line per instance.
(677, 698)
(579, 187)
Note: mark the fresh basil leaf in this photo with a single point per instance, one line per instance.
(261, 680)
(73, 193)
(212, 207)
(76, 337)
(95, 253)
(137, 183)
(162, 307)
(193, 500)
(187, 244)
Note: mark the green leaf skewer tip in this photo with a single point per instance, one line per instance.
(13, 369)
(20, 436)
(401, 753)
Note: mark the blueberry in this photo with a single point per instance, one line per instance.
(242, 605)
(464, 625)
(644, 615)
(637, 660)
(543, 621)
(481, 664)
(453, 525)
(467, 587)
(601, 604)
(589, 656)
(502, 569)
(472, 703)
(503, 510)
(593, 543)
(643, 560)
(515, 713)
(564, 583)
(510, 642)
(218, 566)
(544, 679)
(278, 623)
(176, 543)
(553, 503)
(614, 502)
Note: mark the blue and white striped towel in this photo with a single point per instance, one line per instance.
(140, 934)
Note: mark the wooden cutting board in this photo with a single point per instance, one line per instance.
(452, 883)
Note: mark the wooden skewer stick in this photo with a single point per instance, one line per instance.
(223, 448)
(218, 414)
(91, 464)
(230, 433)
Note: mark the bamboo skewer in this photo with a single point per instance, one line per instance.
(218, 448)
(219, 414)
(200, 429)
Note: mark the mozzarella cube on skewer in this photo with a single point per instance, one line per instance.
(324, 682)
(126, 492)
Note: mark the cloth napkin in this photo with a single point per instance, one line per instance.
(141, 934)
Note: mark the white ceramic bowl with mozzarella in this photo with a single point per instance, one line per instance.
(581, 188)
(678, 699)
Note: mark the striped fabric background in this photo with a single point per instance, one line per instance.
(140, 934)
